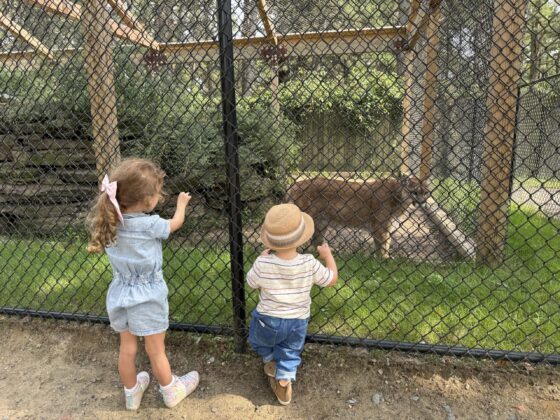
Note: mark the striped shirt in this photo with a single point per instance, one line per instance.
(285, 285)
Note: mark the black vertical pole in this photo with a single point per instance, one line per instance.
(227, 79)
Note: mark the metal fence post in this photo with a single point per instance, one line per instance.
(227, 81)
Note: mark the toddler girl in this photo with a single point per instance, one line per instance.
(279, 324)
(137, 297)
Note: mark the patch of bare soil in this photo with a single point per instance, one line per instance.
(68, 371)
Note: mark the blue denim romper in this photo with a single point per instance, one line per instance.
(137, 296)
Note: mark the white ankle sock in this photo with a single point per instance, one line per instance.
(173, 380)
(133, 389)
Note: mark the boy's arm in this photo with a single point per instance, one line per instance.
(179, 217)
(253, 274)
(326, 255)
(252, 277)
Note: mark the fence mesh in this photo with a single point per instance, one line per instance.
(423, 136)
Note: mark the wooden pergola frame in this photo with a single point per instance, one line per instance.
(424, 20)
(131, 29)
(346, 42)
(20, 32)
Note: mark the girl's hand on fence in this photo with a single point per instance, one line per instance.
(265, 252)
(179, 217)
(183, 199)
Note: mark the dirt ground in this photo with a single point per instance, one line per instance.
(60, 370)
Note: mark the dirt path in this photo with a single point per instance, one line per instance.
(56, 370)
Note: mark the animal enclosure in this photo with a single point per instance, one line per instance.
(240, 101)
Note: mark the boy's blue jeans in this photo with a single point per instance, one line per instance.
(280, 340)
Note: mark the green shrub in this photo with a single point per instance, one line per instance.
(164, 116)
(366, 97)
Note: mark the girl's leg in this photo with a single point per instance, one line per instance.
(173, 389)
(127, 359)
(155, 347)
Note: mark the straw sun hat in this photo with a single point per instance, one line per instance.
(286, 226)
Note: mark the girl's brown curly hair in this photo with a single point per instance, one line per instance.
(138, 180)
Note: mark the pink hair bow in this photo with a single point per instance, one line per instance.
(111, 189)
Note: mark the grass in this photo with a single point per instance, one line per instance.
(460, 198)
(512, 307)
(529, 182)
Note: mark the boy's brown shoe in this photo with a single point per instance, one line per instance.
(270, 369)
(283, 393)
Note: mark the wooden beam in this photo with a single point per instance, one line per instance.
(20, 32)
(268, 25)
(312, 43)
(135, 36)
(127, 17)
(20, 60)
(98, 57)
(505, 73)
(414, 8)
(347, 42)
(61, 7)
(421, 22)
(132, 21)
(439, 217)
(73, 12)
(430, 93)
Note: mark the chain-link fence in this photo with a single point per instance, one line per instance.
(423, 136)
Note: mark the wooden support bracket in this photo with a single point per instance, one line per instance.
(419, 20)
(132, 21)
(22, 33)
(268, 25)
(73, 12)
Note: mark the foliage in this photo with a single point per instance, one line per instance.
(165, 116)
(542, 42)
(365, 97)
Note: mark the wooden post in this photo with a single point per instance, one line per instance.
(422, 17)
(430, 93)
(501, 99)
(101, 87)
(274, 85)
(406, 128)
